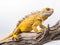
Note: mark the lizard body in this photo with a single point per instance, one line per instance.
(30, 23)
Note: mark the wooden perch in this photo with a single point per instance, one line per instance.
(49, 34)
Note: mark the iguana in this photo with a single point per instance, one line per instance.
(30, 23)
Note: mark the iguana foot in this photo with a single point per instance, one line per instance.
(40, 31)
(15, 37)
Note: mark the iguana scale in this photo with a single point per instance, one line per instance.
(30, 23)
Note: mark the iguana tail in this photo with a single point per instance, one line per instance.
(6, 38)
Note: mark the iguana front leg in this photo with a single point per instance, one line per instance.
(34, 26)
(42, 26)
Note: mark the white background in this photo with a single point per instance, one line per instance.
(11, 11)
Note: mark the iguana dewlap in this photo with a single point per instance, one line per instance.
(31, 22)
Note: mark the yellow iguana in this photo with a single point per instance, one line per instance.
(30, 23)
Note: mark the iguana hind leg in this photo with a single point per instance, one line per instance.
(16, 34)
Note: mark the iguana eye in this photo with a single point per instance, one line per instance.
(48, 9)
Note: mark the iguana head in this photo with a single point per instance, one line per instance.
(46, 13)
